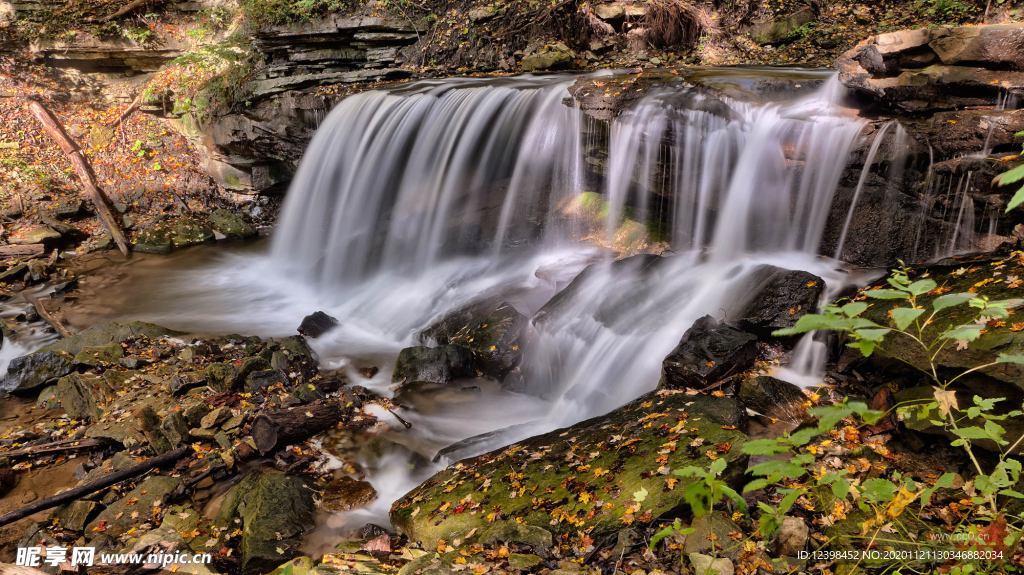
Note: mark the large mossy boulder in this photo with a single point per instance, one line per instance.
(230, 224)
(30, 372)
(779, 298)
(708, 352)
(990, 279)
(81, 395)
(108, 332)
(600, 474)
(275, 509)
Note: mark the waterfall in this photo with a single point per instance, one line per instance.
(415, 202)
(868, 162)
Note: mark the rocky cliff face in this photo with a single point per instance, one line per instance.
(933, 69)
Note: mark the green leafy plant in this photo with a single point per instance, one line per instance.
(1011, 177)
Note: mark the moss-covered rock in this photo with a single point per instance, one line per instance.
(274, 515)
(155, 240)
(81, 395)
(107, 332)
(230, 224)
(600, 474)
(94, 355)
(991, 279)
(189, 232)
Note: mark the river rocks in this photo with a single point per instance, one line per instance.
(708, 352)
(708, 565)
(108, 332)
(567, 463)
(775, 398)
(780, 298)
(119, 517)
(230, 224)
(260, 381)
(161, 239)
(556, 56)
(937, 68)
(493, 330)
(711, 535)
(316, 324)
(80, 395)
(433, 365)
(39, 235)
(29, 372)
(275, 510)
(345, 494)
(94, 355)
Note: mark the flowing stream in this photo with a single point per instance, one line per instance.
(412, 203)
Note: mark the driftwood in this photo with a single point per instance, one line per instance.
(26, 250)
(77, 157)
(58, 447)
(128, 112)
(78, 492)
(48, 317)
(292, 425)
(131, 6)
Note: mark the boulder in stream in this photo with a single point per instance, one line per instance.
(30, 372)
(775, 398)
(433, 365)
(599, 474)
(493, 330)
(316, 324)
(230, 224)
(707, 353)
(345, 494)
(780, 298)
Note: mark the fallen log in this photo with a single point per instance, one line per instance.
(48, 317)
(112, 479)
(294, 424)
(82, 167)
(25, 250)
(128, 112)
(58, 446)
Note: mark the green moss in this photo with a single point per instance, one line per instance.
(600, 475)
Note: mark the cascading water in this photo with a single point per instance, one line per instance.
(412, 203)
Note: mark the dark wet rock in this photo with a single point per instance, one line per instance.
(433, 365)
(707, 353)
(230, 224)
(48, 398)
(780, 298)
(372, 531)
(95, 355)
(345, 494)
(8, 479)
(30, 372)
(443, 507)
(931, 69)
(107, 332)
(493, 330)
(151, 492)
(259, 381)
(775, 398)
(13, 273)
(316, 324)
(80, 396)
(74, 516)
(175, 429)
